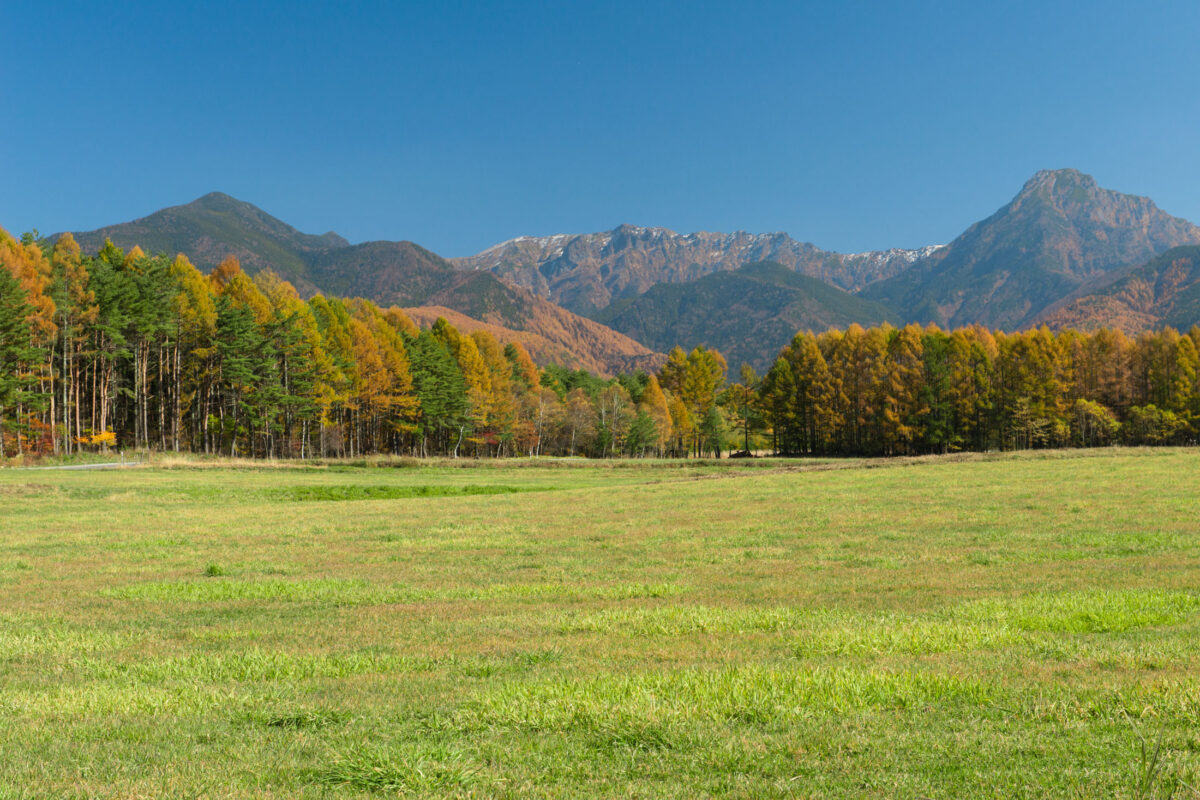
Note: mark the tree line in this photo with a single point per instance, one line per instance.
(129, 350)
(911, 390)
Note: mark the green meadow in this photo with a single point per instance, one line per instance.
(992, 626)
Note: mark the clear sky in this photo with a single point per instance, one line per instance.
(853, 125)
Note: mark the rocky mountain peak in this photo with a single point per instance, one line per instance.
(1061, 230)
(1058, 181)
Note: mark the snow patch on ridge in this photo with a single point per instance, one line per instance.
(908, 255)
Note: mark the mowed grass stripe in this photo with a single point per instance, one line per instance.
(335, 591)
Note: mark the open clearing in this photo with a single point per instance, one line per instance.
(979, 627)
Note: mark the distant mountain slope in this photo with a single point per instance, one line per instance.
(747, 314)
(1163, 291)
(596, 349)
(589, 344)
(216, 226)
(389, 273)
(586, 272)
(1060, 231)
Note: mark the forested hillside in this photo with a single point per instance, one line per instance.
(121, 349)
(216, 226)
(1163, 291)
(747, 313)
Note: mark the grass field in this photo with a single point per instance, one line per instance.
(979, 627)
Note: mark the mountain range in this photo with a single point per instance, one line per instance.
(1063, 251)
(587, 272)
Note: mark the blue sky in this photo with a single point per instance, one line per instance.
(853, 125)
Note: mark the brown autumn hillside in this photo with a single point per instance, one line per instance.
(555, 337)
(1163, 291)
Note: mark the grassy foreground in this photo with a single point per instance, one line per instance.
(1003, 627)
